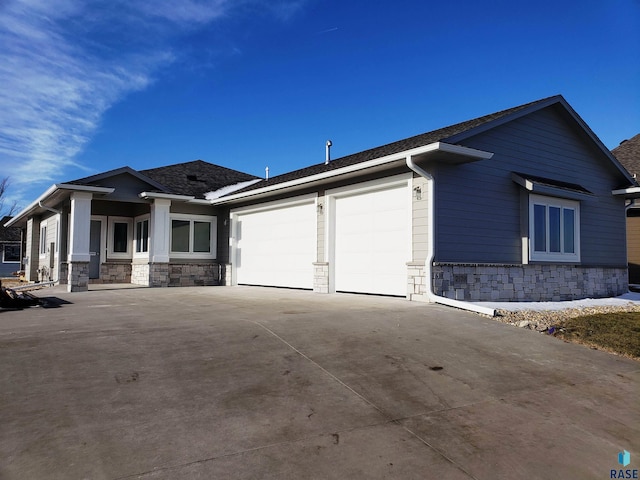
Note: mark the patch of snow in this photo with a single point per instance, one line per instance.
(228, 189)
(622, 300)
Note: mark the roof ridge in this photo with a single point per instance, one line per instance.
(450, 131)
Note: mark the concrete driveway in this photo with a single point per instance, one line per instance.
(256, 383)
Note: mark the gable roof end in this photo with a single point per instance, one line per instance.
(118, 171)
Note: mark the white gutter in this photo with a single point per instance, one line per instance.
(431, 295)
(432, 147)
(633, 192)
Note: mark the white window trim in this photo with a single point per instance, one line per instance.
(43, 241)
(110, 230)
(194, 218)
(137, 220)
(3, 252)
(554, 256)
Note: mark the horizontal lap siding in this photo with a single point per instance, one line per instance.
(478, 205)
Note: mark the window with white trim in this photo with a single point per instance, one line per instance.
(141, 239)
(43, 240)
(10, 253)
(554, 229)
(193, 236)
(120, 237)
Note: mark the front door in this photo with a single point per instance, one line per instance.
(94, 248)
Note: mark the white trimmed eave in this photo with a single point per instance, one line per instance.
(168, 196)
(437, 151)
(542, 189)
(54, 193)
(630, 192)
(171, 196)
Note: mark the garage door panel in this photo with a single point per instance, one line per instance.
(372, 232)
(277, 247)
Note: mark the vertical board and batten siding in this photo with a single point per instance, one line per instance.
(420, 220)
(478, 208)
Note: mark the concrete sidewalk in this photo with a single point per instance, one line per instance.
(243, 382)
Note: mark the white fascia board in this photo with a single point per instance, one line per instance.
(432, 147)
(167, 196)
(466, 151)
(50, 191)
(84, 188)
(229, 189)
(631, 192)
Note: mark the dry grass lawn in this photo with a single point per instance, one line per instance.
(614, 332)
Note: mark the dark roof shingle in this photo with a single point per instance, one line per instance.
(628, 154)
(196, 178)
(441, 134)
(11, 234)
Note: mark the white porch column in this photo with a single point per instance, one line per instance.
(160, 226)
(79, 225)
(160, 230)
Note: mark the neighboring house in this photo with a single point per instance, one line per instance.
(628, 154)
(10, 249)
(516, 205)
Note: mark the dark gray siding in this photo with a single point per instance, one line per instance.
(478, 206)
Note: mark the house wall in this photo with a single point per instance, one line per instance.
(633, 245)
(31, 249)
(47, 263)
(478, 214)
(7, 268)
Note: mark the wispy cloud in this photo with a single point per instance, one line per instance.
(63, 63)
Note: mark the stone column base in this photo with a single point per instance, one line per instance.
(321, 277)
(78, 277)
(158, 274)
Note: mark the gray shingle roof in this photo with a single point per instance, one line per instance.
(628, 154)
(11, 234)
(196, 178)
(190, 178)
(441, 134)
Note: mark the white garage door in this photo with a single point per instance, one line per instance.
(372, 235)
(276, 247)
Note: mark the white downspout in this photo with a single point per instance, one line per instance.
(432, 297)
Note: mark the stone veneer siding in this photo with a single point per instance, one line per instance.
(112, 272)
(321, 277)
(158, 275)
(63, 278)
(140, 274)
(193, 274)
(78, 276)
(534, 282)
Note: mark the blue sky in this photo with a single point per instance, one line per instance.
(89, 86)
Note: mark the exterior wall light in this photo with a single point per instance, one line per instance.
(417, 193)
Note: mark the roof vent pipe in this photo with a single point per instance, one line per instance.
(266, 173)
(328, 156)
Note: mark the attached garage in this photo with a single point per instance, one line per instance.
(275, 244)
(370, 239)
